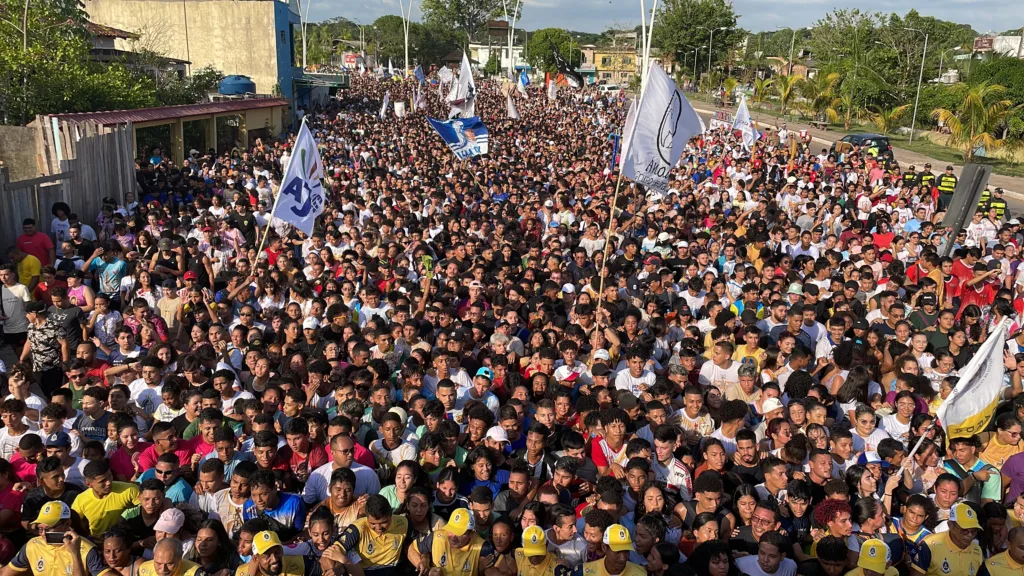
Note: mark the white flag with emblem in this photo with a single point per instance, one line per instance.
(384, 108)
(302, 197)
(743, 124)
(663, 123)
(511, 105)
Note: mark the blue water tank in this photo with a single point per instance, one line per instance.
(233, 85)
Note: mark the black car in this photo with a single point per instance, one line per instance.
(867, 141)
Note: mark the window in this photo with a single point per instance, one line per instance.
(606, 74)
(606, 61)
(626, 60)
(282, 37)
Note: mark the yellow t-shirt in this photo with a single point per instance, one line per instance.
(997, 453)
(734, 392)
(185, 568)
(44, 559)
(549, 567)
(947, 559)
(890, 571)
(1002, 565)
(596, 568)
(742, 351)
(103, 513)
(27, 268)
(374, 550)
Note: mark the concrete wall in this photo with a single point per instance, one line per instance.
(234, 36)
(18, 152)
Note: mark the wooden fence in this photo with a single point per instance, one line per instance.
(29, 199)
(82, 163)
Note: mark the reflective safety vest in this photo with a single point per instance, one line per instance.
(986, 195)
(999, 205)
(909, 179)
(946, 183)
(927, 179)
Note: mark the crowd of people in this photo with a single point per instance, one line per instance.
(488, 367)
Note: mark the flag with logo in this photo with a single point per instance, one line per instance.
(418, 73)
(552, 87)
(969, 407)
(302, 197)
(524, 81)
(463, 95)
(467, 137)
(744, 126)
(400, 109)
(384, 109)
(657, 130)
(572, 77)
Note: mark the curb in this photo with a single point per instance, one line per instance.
(1009, 194)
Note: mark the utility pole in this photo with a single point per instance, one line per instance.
(792, 45)
(406, 15)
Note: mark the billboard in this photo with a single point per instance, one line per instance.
(983, 43)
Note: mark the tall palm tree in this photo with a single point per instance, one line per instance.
(887, 119)
(850, 109)
(785, 86)
(762, 86)
(819, 96)
(976, 119)
(729, 86)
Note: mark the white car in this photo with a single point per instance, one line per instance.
(612, 89)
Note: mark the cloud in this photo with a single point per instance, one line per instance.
(755, 15)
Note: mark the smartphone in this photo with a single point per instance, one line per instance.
(54, 537)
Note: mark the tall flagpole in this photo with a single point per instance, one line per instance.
(284, 170)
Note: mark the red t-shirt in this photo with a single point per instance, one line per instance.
(11, 499)
(316, 458)
(982, 296)
(38, 245)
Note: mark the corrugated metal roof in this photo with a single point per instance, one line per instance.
(172, 112)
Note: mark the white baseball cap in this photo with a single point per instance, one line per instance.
(497, 433)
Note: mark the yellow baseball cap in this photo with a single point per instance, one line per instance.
(53, 513)
(874, 556)
(534, 542)
(617, 538)
(460, 522)
(964, 517)
(264, 541)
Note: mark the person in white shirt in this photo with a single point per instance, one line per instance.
(637, 379)
(721, 372)
(343, 452)
(770, 559)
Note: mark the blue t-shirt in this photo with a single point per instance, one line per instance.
(180, 492)
(287, 519)
(110, 274)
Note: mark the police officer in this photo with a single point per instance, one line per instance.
(946, 183)
(998, 203)
(909, 177)
(927, 179)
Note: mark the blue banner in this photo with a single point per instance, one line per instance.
(418, 72)
(467, 137)
(523, 78)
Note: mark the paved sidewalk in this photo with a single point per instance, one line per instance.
(1013, 186)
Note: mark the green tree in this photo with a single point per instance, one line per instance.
(541, 56)
(683, 25)
(888, 119)
(819, 94)
(467, 16)
(978, 118)
(785, 87)
(762, 89)
(173, 90)
(493, 66)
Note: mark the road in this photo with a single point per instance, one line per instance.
(1013, 187)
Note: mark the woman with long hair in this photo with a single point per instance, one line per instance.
(408, 474)
(653, 500)
(416, 507)
(857, 389)
(124, 461)
(713, 558)
(480, 470)
(744, 500)
(861, 483)
(213, 550)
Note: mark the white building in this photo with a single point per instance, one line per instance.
(482, 54)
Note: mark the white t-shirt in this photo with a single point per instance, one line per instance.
(748, 565)
(625, 381)
(14, 298)
(145, 397)
(9, 443)
(713, 375)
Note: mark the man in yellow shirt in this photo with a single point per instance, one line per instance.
(617, 545)
(29, 268)
(1011, 562)
(955, 551)
(534, 559)
(102, 504)
(874, 560)
(167, 561)
(377, 539)
(268, 559)
(453, 550)
(57, 549)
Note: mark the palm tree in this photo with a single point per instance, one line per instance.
(887, 119)
(850, 109)
(784, 87)
(819, 96)
(974, 123)
(729, 86)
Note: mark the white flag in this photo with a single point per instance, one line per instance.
(664, 122)
(302, 198)
(391, 69)
(512, 112)
(743, 124)
(463, 97)
(969, 407)
(384, 109)
(400, 109)
(552, 89)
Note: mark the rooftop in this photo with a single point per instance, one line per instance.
(172, 112)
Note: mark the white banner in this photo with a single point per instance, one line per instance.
(969, 407)
(511, 106)
(665, 121)
(743, 124)
(302, 197)
(400, 109)
(384, 108)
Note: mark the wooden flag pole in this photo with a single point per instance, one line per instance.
(607, 239)
(277, 198)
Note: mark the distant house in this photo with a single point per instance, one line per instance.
(104, 49)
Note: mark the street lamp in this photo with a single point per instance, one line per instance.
(942, 56)
(406, 15)
(920, 77)
(792, 45)
(695, 64)
(711, 40)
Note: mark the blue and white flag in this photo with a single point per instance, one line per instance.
(418, 72)
(745, 127)
(467, 137)
(523, 78)
(302, 197)
(513, 113)
(384, 108)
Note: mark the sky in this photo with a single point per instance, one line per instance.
(755, 15)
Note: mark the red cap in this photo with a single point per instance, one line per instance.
(191, 276)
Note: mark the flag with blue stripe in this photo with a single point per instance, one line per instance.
(418, 72)
(467, 137)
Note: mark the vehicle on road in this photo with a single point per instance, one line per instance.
(865, 141)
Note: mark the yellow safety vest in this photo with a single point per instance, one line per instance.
(947, 183)
(49, 560)
(185, 568)
(459, 561)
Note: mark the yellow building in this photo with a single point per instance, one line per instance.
(615, 65)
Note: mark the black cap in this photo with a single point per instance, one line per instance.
(600, 369)
(928, 300)
(860, 324)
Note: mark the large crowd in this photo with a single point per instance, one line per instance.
(483, 367)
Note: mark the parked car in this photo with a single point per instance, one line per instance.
(610, 89)
(866, 141)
